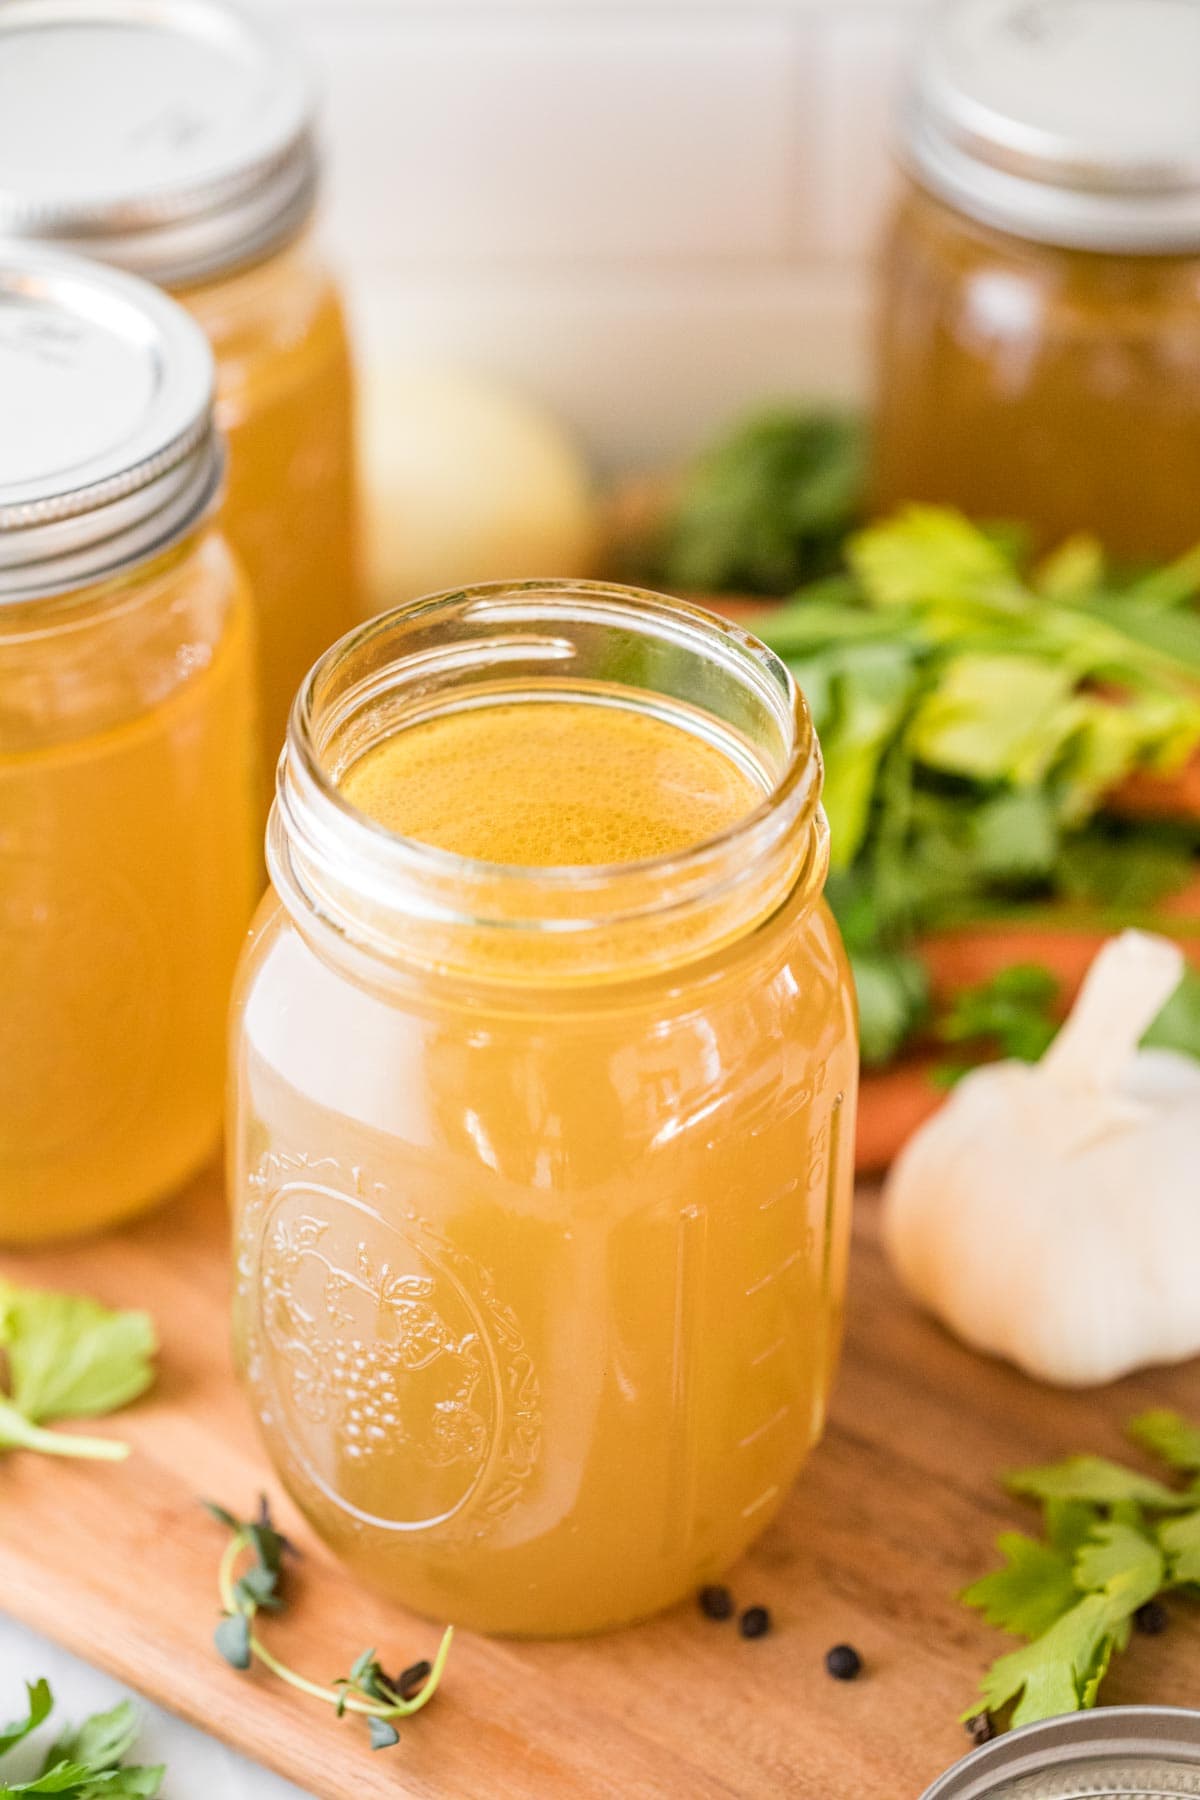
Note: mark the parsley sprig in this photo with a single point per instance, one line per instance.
(1011, 1015)
(1016, 1014)
(68, 1357)
(366, 1690)
(85, 1762)
(767, 507)
(1113, 1539)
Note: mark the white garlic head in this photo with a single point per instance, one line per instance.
(1050, 1213)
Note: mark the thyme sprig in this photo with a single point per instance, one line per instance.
(366, 1690)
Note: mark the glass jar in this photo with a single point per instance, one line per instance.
(284, 389)
(128, 780)
(1038, 351)
(542, 1176)
(196, 168)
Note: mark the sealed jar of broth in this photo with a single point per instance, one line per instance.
(543, 1094)
(1114, 1753)
(128, 779)
(176, 141)
(1039, 324)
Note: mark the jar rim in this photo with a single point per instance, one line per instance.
(301, 743)
(316, 833)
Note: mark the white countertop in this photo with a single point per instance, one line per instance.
(198, 1766)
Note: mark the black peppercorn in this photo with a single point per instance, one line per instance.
(843, 1662)
(980, 1728)
(409, 1684)
(716, 1602)
(1151, 1618)
(755, 1622)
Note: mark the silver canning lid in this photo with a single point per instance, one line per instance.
(1071, 122)
(107, 448)
(170, 137)
(1114, 1753)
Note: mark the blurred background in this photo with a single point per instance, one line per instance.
(647, 215)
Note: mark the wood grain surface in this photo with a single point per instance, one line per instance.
(895, 1512)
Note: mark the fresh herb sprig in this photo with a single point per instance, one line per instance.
(68, 1357)
(1016, 1014)
(85, 1762)
(769, 506)
(1113, 1539)
(1011, 1015)
(975, 715)
(366, 1690)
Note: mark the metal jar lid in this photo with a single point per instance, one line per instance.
(1114, 1753)
(1071, 122)
(107, 447)
(170, 137)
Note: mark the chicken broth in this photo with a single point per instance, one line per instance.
(540, 1282)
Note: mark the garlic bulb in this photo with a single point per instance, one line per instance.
(1050, 1213)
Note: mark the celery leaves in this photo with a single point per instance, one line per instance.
(68, 1357)
(974, 717)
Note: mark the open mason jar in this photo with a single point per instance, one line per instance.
(177, 142)
(542, 1175)
(129, 779)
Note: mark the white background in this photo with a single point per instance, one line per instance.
(650, 214)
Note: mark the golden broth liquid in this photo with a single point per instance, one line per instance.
(557, 783)
(539, 1295)
(128, 868)
(284, 401)
(1054, 389)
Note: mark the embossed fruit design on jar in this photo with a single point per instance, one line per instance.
(381, 1361)
(543, 1104)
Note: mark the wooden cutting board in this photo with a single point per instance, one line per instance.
(896, 1511)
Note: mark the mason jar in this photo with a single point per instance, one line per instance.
(128, 780)
(541, 1174)
(1038, 343)
(177, 143)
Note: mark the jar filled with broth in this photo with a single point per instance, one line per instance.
(1039, 325)
(543, 1105)
(128, 780)
(176, 141)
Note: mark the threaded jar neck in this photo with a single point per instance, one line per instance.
(361, 891)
